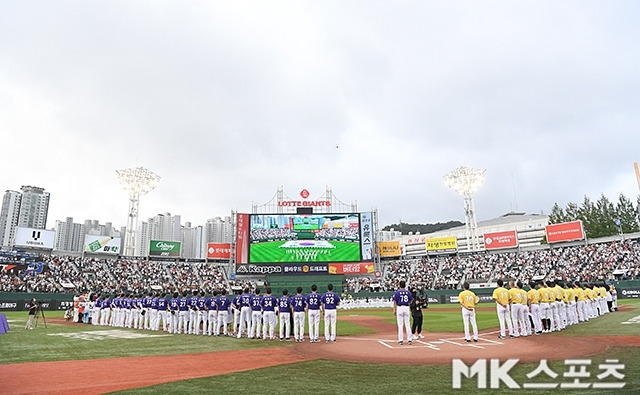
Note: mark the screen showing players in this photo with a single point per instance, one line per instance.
(304, 238)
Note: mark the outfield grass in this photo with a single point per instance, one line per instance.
(270, 251)
(331, 377)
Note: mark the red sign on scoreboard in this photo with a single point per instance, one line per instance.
(496, 240)
(566, 231)
(351, 268)
(218, 250)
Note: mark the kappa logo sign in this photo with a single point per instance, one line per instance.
(258, 269)
(105, 335)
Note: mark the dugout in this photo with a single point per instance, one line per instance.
(291, 282)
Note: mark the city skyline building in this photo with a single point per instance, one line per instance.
(28, 208)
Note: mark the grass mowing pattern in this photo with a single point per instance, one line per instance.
(20, 345)
(330, 377)
(269, 252)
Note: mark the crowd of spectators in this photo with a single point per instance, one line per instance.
(338, 233)
(73, 274)
(588, 263)
(271, 234)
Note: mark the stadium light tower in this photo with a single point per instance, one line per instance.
(138, 182)
(466, 181)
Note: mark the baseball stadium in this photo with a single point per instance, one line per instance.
(301, 306)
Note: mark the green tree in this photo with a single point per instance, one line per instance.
(627, 214)
(603, 221)
(557, 215)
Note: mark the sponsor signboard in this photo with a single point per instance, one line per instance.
(566, 231)
(389, 248)
(218, 250)
(627, 293)
(263, 268)
(242, 238)
(352, 268)
(102, 245)
(164, 248)
(301, 268)
(34, 238)
(497, 240)
(366, 236)
(437, 245)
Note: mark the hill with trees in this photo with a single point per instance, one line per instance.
(405, 228)
(600, 218)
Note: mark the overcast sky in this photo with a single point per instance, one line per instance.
(227, 100)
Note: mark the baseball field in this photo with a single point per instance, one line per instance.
(366, 359)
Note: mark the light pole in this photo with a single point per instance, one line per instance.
(138, 182)
(619, 225)
(466, 181)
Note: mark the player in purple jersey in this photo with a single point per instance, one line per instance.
(223, 304)
(153, 311)
(269, 319)
(174, 312)
(193, 313)
(256, 314)
(126, 305)
(313, 312)
(95, 317)
(330, 301)
(162, 312)
(401, 302)
(201, 315)
(105, 308)
(211, 308)
(299, 306)
(183, 311)
(284, 311)
(245, 312)
(235, 307)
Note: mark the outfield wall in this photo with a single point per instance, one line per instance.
(20, 301)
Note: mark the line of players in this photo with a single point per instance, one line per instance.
(549, 306)
(252, 315)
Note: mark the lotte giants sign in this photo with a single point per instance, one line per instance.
(304, 194)
(566, 231)
(497, 240)
(218, 250)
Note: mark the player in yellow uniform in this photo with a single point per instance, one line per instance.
(614, 297)
(501, 297)
(580, 302)
(533, 301)
(562, 308)
(570, 300)
(517, 309)
(468, 300)
(545, 307)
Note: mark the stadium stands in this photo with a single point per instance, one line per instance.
(583, 263)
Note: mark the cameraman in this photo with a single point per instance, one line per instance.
(33, 308)
(416, 314)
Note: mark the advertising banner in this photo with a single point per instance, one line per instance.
(352, 268)
(242, 238)
(566, 231)
(35, 238)
(218, 250)
(389, 248)
(164, 248)
(263, 268)
(301, 268)
(497, 240)
(102, 245)
(441, 244)
(366, 236)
